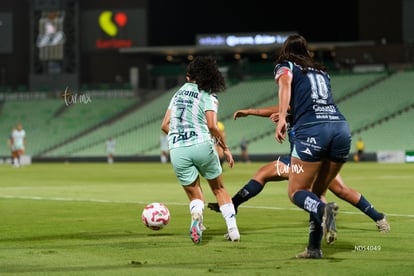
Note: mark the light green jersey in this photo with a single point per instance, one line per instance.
(188, 123)
(18, 137)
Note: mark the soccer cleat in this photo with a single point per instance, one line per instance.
(329, 222)
(196, 231)
(383, 225)
(214, 207)
(310, 254)
(232, 235)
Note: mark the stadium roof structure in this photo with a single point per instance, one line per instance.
(224, 49)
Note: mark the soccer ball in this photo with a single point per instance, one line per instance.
(155, 216)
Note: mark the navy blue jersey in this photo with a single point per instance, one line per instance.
(311, 99)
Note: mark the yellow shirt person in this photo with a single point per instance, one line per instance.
(360, 147)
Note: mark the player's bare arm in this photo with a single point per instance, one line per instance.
(261, 112)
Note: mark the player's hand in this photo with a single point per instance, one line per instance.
(274, 117)
(240, 113)
(229, 157)
(280, 133)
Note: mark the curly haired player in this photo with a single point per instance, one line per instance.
(191, 125)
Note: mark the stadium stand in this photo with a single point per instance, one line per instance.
(130, 128)
(34, 115)
(378, 105)
(379, 101)
(45, 129)
(395, 133)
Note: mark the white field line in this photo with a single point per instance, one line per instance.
(171, 203)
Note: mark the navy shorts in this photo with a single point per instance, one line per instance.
(319, 141)
(285, 159)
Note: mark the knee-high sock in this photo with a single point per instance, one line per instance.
(251, 189)
(197, 206)
(229, 214)
(311, 203)
(368, 209)
(315, 232)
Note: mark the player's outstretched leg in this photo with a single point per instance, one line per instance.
(355, 198)
(251, 189)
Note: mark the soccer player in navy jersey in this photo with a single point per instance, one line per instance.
(278, 169)
(320, 135)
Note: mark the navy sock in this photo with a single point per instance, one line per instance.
(368, 209)
(310, 202)
(251, 189)
(315, 232)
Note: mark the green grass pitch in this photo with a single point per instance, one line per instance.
(84, 219)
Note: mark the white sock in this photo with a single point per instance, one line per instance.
(196, 206)
(229, 215)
